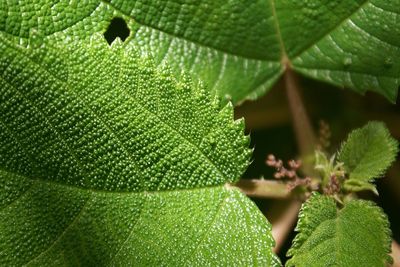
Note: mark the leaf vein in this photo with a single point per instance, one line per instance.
(341, 23)
(75, 220)
(202, 239)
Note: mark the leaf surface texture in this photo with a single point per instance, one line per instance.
(106, 160)
(356, 235)
(366, 154)
(238, 48)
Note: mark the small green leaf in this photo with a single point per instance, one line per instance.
(355, 185)
(106, 160)
(368, 152)
(357, 235)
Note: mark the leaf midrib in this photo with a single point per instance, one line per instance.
(284, 57)
(102, 191)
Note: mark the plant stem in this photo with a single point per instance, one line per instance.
(395, 253)
(302, 127)
(263, 188)
(282, 225)
(306, 143)
(305, 139)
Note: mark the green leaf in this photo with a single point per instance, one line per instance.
(106, 160)
(239, 48)
(356, 235)
(355, 185)
(368, 152)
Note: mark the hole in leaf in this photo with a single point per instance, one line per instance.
(117, 28)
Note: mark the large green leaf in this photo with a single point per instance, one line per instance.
(356, 235)
(108, 161)
(239, 48)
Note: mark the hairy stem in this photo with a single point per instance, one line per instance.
(395, 254)
(306, 143)
(263, 188)
(283, 224)
(305, 139)
(302, 127)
